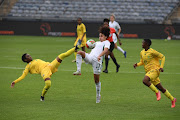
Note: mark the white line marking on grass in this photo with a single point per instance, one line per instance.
(89, 71)
(11, 68)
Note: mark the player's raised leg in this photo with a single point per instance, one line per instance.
(167, 94)
(55, 63)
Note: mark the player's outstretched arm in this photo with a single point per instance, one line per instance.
(20, 78)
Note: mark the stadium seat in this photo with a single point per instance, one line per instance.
(92, 9)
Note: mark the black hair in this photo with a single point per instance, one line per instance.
(24, 57)
(148, 41)
(104, 30)
(106, 20)
(79, 18)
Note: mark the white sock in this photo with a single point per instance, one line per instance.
(98, 88)
(78, 62)
(120, 49)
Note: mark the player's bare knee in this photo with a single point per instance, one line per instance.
(146, 81)
(96, 78)
(82, 53)
(58, 59)
(79, 52)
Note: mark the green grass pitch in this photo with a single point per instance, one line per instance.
(74, 97)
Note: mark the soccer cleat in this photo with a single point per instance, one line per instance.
(98, 99)
(158, 95)
(77, 73)
(73, 61)
(105, 71)
(125, 54)
(117, 68)
(42, 98)
(173, 103)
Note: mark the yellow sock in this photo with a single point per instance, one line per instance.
(46, 87)
(75, 53)
(66, 54)
(167, 94)
(153, 88)
(55, 63)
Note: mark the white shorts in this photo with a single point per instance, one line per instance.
(97, 66)
(114, 38)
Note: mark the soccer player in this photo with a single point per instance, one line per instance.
(116, 26)
(81, 35)
(110, 52)
(45, 69)
(150, 59)
(95, 58)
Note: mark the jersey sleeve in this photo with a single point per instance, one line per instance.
(141, 61)
(84, 28)
(118, 26)
(160, 56)
(25, 72)
(106, 44)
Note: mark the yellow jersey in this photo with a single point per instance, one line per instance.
(34, 67)
(81, 29)
(150, 59)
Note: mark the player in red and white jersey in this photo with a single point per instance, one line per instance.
(110, 52)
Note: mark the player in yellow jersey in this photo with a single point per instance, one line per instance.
(81, 35)
(45, 69)
(150, 59)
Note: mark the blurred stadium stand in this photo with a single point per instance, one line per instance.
(126, 11)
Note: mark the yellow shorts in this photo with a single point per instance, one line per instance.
(46, 72)
(50, 69)
(154, 76)
(83, 44)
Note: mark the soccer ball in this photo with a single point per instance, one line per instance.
(90, 44)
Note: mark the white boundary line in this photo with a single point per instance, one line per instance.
(90, 71)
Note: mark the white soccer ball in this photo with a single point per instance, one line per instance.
(90, 44)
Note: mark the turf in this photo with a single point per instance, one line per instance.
(73, 97)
